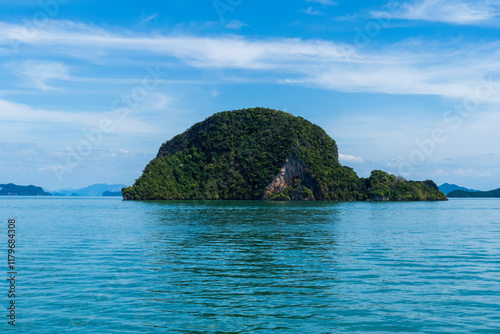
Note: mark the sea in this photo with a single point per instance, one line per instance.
(104, 265)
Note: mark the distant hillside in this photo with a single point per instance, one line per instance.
(475, 194)
(94, 190)
(12, 189)
(447, 188)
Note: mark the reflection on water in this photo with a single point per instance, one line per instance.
(247, 268)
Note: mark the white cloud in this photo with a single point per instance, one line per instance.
(440, 172)
(39, 73)
(469, 172)
(350, 159)
(16, 112)
(32, 118)
(229, 51)
(154, 101)
(449, 11)
(311, 11)
(236, 25)
(433, 69)
(324, 2)
(149, 18)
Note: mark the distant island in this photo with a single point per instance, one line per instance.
(94, 190)
(264, 154)
(476, 194)
(446, 188)
(111, 193)
(12, 189)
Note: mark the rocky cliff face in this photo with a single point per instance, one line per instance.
(293, 176)
(291, 170)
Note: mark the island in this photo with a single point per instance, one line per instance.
(12, 189)
(447, 188)
(264, 154)
(95, 190)
(475, 194)
(111, 193)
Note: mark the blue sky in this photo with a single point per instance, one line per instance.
(91, 89)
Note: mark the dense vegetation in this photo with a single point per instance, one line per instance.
(15, 190)
(461, 193)
(236, 154)
(383, 186)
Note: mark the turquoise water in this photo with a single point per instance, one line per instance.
(101, 265)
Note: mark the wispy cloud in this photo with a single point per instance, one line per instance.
(228, 51)
(149, 18)
(236, 25)
(311, 11)
(324, 2)
(488, 173)
(433, 69)
(461, 12)
(39, 73)
(315, 11)
(31, 118)
(155, 102)
(350, 159)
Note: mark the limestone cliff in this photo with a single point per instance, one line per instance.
(293, 176)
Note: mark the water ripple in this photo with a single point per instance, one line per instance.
(107, 266)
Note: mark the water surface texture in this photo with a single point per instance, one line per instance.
(102, 265)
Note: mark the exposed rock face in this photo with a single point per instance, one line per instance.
(292, 169)
(292, 174)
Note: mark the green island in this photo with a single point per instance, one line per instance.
(264, 154)
(475, 194)
(11, 189)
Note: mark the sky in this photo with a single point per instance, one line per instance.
(91, 89)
